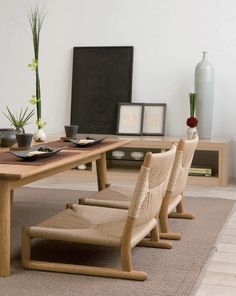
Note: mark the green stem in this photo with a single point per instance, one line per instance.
(192, 104)
(36, 18)
(38, 95)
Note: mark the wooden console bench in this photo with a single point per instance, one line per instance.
(213, 153)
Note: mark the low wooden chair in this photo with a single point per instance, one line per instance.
(123, 229)
(119, 196)
(172, 205)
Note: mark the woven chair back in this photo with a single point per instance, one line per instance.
(151, 186)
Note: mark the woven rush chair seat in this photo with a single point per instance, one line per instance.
(112, 197)
(119, 197)
(123, 229)
(90, 225)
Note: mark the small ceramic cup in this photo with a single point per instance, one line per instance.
(71, 131)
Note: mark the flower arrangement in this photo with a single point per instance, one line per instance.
(36, 18)
(19, 120)
(192, 120)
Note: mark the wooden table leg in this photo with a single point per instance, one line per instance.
(12, 196)
(101, 166)
(5, 225)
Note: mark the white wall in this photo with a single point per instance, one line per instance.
(168, 38)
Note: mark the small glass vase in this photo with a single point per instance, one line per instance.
(190, 132)
(40, 135)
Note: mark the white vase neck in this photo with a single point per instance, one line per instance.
(204, 55)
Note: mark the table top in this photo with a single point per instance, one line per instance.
(16, 172)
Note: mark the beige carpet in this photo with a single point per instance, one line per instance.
(171, 272)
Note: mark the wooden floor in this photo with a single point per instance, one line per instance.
(219, 275)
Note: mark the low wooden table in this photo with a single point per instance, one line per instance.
(13, 176)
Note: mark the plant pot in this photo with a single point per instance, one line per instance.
(8, 137)
(24, 140)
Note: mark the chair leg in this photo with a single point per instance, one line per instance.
(87, 270)
(165, 233)
(163, 221)
(81, 201)
(180, 213)
(26, 247)
(76, 269)
(180, 208)
(170, 235)
(155, 241)
(126, 261)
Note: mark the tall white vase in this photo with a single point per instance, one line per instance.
(204, 88)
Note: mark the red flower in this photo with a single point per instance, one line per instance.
(192, 121)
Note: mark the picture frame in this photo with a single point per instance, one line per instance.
(130, 119)
(154, 118)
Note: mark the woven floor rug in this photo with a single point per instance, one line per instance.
(171, 272)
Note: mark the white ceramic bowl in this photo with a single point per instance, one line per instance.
(118, 154)
(137, 155)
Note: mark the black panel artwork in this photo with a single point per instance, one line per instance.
(102, 78)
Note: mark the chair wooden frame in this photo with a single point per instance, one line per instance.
(166, 209)
(126, 245)
(126, 271)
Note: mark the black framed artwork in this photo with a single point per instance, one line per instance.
(102, 77)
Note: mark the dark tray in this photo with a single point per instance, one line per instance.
(79, 144)
(24, 154)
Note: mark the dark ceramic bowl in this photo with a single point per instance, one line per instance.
(8, 137)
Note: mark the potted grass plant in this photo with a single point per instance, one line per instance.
(36, 18)
(19, 121)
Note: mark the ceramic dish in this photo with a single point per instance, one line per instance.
(34, 153)
(85, 142)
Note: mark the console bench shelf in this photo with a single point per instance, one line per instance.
(213, 153)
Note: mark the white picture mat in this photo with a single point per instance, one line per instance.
(153, 119)
(130, 119)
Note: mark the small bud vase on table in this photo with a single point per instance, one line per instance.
(40, 135)
(192, 121)
(36, 18)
